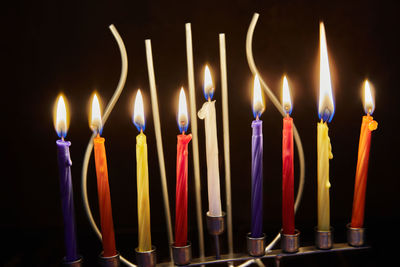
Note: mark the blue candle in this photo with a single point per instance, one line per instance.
(257, 163)
(64, 167)
(67, 200)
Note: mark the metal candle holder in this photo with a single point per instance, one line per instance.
(182, 255)
(355, 236)
(216, 226)
(290, 243)
(324, 239)
(76, 263)
(146, 258)
(256, 245)
(112, 261)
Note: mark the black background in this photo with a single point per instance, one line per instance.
(50, 47)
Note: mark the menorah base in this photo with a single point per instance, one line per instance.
(273, 254)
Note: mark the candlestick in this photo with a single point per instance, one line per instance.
(103, 189)
(142, 177)
(257, 163)
(207, 113)
(181, 174)
(287, 164)
(64, 167)
(368, 125)
(324, 148)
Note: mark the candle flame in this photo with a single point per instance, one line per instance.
(96, 123)
(61, 121)
(258, 100)
(138, 112)
(326, 107)
(208, 84)
(286, 99)
(183, 121)
(369, 104)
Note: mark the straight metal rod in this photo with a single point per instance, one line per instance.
(195, 144)
(225, 114)
(157, 128)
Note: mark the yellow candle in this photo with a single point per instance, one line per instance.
(143, 193)
(326, 109)
(324, 151)
(142, 176)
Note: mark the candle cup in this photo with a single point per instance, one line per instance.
(146, 258)
(324, 239)
(76, 263)
(256, 245)
(355, 236)
(112, 261)
(216, 226)
(290, 243)
(182, 255)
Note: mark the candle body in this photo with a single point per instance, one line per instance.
(143, 193)
(368, 125)
(324, 152)
(181, 190)
(103, 191)
(287, 177)
(207, 112)
(67, 200)
(256, 179)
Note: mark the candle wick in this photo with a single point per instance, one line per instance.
(141, 130)
(322, 121)
(257, 117)
(62, 138)
(209, 99)
(183, 132)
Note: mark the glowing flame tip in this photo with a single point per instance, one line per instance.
(208, 84)
(258, 100)
(286, 99)
(369, 104)
(61, 122)
(183, 119)
(138, 113)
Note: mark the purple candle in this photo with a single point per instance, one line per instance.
(256, 179)
(67, 200)
(257, 163)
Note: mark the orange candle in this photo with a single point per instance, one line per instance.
(103, 189)
(368, 125)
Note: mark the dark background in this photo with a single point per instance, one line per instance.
(50, 47)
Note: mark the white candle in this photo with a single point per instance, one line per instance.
(207, 113)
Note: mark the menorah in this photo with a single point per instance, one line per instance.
(220, 222)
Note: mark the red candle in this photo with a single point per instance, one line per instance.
(287, 164)
(368, 125)
(181, 174)
(103, 189)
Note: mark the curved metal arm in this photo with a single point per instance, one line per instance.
(89, 148)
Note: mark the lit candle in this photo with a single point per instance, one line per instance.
(103, 188)
(257, 162)
(142, 174)
(64, 167)
(368, 125)
(287, 163)
(207, 113)
(181, 173)
(324, 149)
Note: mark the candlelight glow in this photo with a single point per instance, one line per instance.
(258, 100)
(286, 99)
(208, 84)
(138, 113)
(182, 113)
(369, 104)
(95, 123)
(61, 121)
(326, 107)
